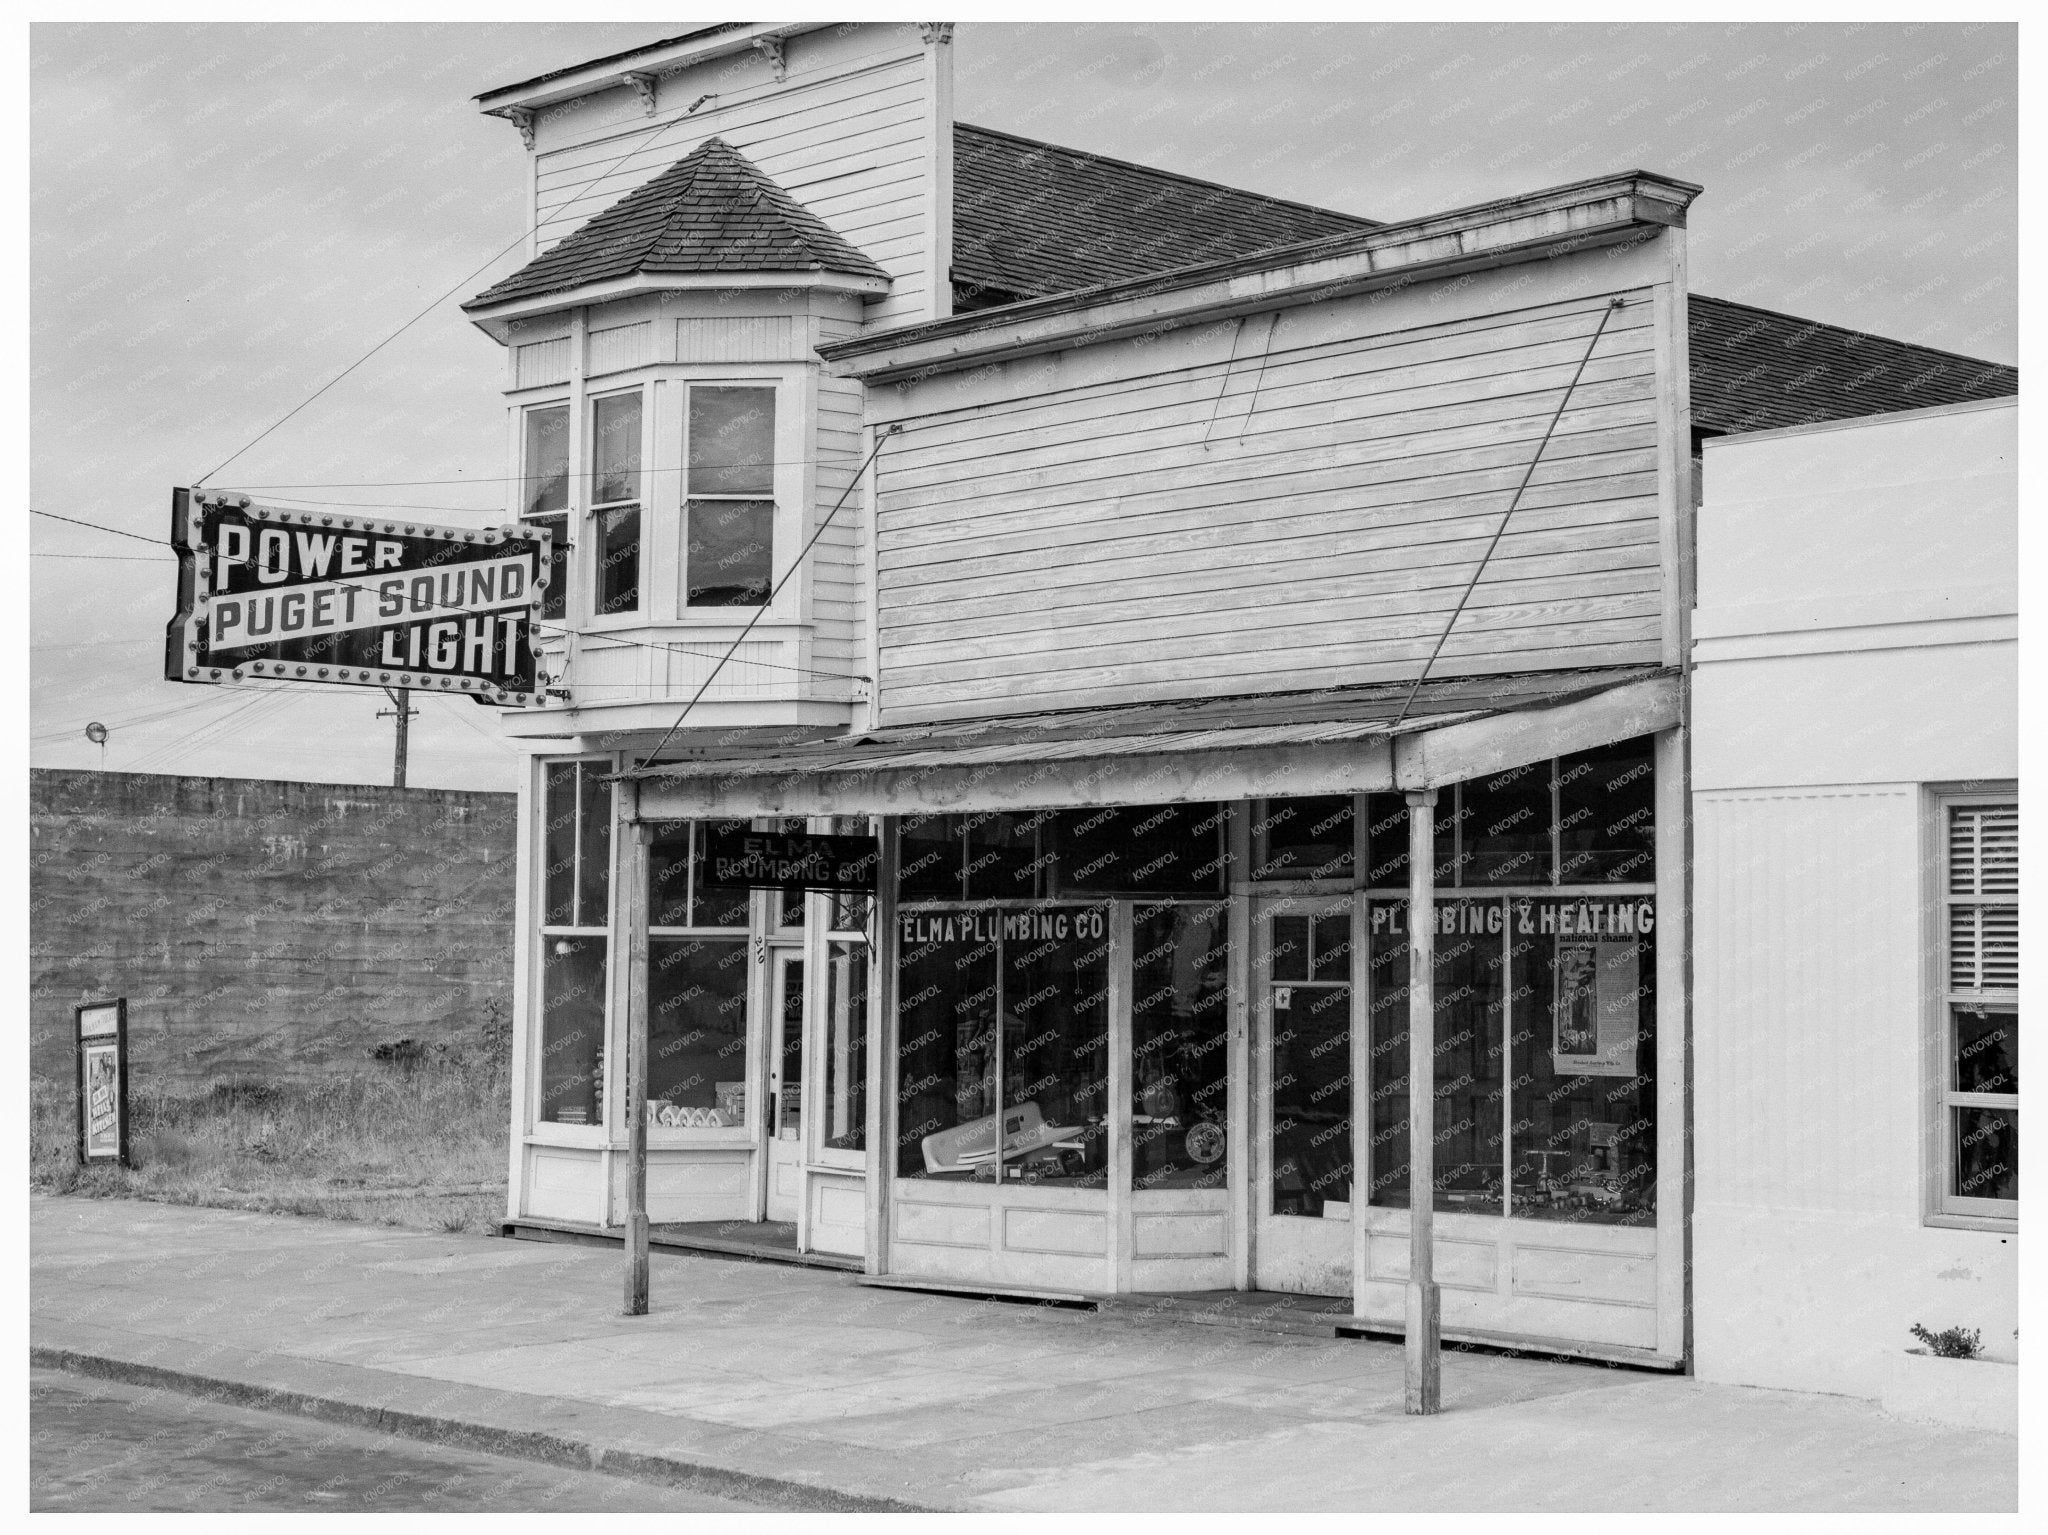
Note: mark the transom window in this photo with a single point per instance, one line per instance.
(1980, 1063)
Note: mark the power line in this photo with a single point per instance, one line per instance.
(125, 559)
(524, 235)
(563, 629)
(99, 526)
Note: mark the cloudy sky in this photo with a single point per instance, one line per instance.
(224, 217)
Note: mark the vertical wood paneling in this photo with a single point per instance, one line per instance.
(838, 626)
(1304, 507)
(619, 346)
(540, 362)
(746, 338)
(1807, 1000)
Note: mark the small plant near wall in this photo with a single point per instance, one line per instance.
(1951, 1342)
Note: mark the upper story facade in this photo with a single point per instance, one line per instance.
(849, 415)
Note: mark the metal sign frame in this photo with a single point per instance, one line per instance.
(776, 860)
(414, 629)
(102, 1046)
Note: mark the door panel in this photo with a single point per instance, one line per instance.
(785, 1089)
(1304, 1002)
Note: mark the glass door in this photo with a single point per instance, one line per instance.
(1306, 1002)
(785, 1086)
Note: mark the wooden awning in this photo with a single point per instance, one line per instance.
(1331, 741)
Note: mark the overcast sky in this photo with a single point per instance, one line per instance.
(224, 217)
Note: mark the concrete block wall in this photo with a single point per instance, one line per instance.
(262, 929)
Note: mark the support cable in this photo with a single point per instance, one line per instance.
(1514, 501)
(794, 566)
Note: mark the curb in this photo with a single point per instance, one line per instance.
(517, 1444)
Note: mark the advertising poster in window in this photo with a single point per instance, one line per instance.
(1593, 1015)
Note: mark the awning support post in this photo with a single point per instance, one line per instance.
(1423, 1374)
(634, 902)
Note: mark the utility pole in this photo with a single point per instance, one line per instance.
(402, 711)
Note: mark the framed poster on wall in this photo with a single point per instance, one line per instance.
(103, 1081)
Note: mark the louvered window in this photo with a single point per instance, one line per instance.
(1980, 889)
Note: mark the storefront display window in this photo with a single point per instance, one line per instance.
(1503, 823)
(1051, 854)
(1579, 1110)
(571, 1029)
(1606, 809)
(1470, 1015)
(678, 895)
(576, 823)
(1179, 1045)
(1142, 850)
(1585, 1110)
(696, 1032)
(1004, 1007)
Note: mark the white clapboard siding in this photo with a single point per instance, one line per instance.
(845, 134)
(1279, 516)
(620, 346)
(838, 629)
(540, 362)
(742, 338)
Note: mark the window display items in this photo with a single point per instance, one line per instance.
(1004, 1010)
(1179, 1044)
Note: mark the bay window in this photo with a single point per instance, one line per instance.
(729, 554)
(615, 501)
(544, 496)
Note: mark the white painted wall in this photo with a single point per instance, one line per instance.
(1855, 643)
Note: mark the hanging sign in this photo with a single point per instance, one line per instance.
(271, 595)
(763, 860)
(103, 1081)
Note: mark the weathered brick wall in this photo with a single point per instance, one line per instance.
(263, 929)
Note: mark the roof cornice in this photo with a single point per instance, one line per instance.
(665, 57)
(1557, 221)
(496, 320)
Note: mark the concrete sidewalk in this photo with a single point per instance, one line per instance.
(802, 1388)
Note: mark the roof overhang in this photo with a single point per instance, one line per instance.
(1561, 221)
(667, 56)
(1338, 741)
(495, 320)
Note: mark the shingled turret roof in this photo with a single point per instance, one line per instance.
(712, 211)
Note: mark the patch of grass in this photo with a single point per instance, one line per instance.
(418, 1143)
(1951, 1342)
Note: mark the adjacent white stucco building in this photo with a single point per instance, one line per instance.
(1855, 884)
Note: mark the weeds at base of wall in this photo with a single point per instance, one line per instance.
(418, 1145)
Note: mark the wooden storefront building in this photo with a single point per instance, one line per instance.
(1150, 567)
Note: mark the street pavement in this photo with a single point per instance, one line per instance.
(799, 1388)
(98, 1446)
